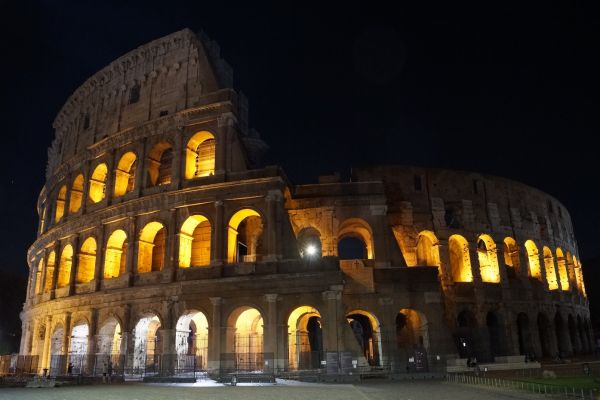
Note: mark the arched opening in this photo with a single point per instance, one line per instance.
(60, 203)
(571, 271)
(78, 347)
(562, 269)
(125, 174)
(151, 248)
(579, 276)
(365, 328)
(50, 271)
(309, 243)
(466, 340)
(108, 345)
(98, 183)
(58, 361)
(116, 254)
(460, 260)
(534, 260)
(550, 271)
(495, 329)
(412, 338)
(87, 261)
(160, 163)
(574, 336)
(200, 155)
(546, 335)
(245, 231)
(524, 334)
(191, 342)
(194, 242)
(76, 194)
(147, 344)
(561, 332)
(488, 260)
(511, 257)
(246, 339)
(305, 338)
(38, 277)
(428, 251)
(64, 267)
(355, 240)
(585, 346)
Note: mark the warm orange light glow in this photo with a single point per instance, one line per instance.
(415, 332)
(76, 194)
(60, 203)
(115, 257)
(511, 253)
(50, 271)
(194, 242)
(562, 269)
(98, 183)
(428, 252)
(87, 261)
(151, 250)
(534, 260)
(579, 277)
(358, 228)
(298, 342)
(38, 277)
(550, 270)
(232, 235)
(160, 163)
(200, 155)
(125, 174)
(460, 260)
(64, 268)
(488, 259)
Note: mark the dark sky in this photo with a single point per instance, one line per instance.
(510, 89)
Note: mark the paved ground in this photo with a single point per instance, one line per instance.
(426, 390)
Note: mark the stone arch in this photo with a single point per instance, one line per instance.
(191, 338)
(365, 327)
(109, 337)
(460, 259)
(428, 249)
(146, 341)
(151, 248)
(546, 335)
(125, 174)
(76, 194)
(78, 344)
(571, 270)
(50, 267)
(488, 260)
(466, 337)
(200, 155)
(511, 256)
(412, 338)
(245, 338)
(195, 241)
(585, 345)
(97, 190)
(579, 276)
(61, 197)
(550, 270)
(116, 254)
(524, 334)
(305, 338)
(57, 340)
(64, 267)
(160, 164)
(87, 261)
(562, 334)
(533, 256)
(38, 277)
(562, 269)
(356, 228)
(497, 339)
(244, 236)
(573, 334)
(309, 242)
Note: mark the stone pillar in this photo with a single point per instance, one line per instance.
(214, 336)
(381, 252)
(57, 256)
(109, 186)
(474, 258)
(100, 256)
(140, 170)
(218, 236)
(74, 265)
(44, 271)
(445, 268)
(172, 248)
(67, 203)
(179, 149)
(85, 195)
(91, 344)
(523, 272)
(387, 332)
(504, 281)
(225, 124)
(333, 320)
(273, 340)
(45, 359)
(132, 250)
(273, 225)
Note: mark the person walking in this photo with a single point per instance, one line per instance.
(104, 372)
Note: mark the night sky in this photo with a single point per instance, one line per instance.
(510, 90)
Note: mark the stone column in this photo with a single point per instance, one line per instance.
(100, 257)
(172, 248)
(132, 250)
(85, 195)
(445, 268)
(214, 336)
(333, 320)
(74, 265)
(504, 281)
(273, 342)
(218, 235)
(57, 256)
(225, 124)
(66, 341)
(67, 203)
(179, 148)
(140, 170)
(387, 332)
(273, 225)
(45, 359)
(91, 344)
(44, 271)
(109, 186)
(523, 271)
(380, 236)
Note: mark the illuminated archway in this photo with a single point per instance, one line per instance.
(545, 334)
(579, 276)
(200, 155)
(550, 270)
(194, 242)
(524, 334)
(360, 229)
(305, 338)
(192, 340)
(78, 347)
(562, 269)
(534, 260)
(146, 346)
(87, 261)
(245, 340)
(571, 270)
(64, 267)
(460, 260)
(38, 277)
(57, 362)
(109, 338)
(244, 237)
(511, 256)
(488, 260)
(50, 271)
(151, 248)
(98, 183)
(309, 243)
(125, 174)
(428, 251)
(76, 194)
(467, 339)
(365, 327)
(60, 203)
(160, 163)
(116, 254)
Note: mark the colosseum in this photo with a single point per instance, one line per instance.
(164, 245)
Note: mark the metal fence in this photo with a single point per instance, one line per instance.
(555, 391)
(13, 364)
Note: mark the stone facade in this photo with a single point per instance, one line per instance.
(161, 234)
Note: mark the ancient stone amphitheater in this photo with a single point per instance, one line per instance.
(165, 246)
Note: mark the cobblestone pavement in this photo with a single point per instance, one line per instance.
(426, 390)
